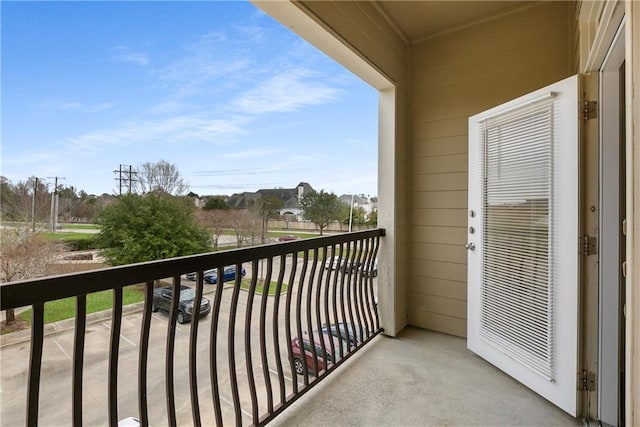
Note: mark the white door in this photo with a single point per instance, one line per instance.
(523, 240)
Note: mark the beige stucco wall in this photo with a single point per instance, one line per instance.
(454, 76)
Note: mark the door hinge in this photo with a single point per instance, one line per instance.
(589, 110)
(589, 245)
(586, 381)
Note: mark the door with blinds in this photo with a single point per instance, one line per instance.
(523, 234)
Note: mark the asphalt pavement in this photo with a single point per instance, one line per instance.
(55, 407)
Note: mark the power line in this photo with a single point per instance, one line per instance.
(33, 202)
(125, 177)
(54, 202)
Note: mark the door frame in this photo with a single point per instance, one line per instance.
(612, 212)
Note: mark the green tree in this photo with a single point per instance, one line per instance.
(358, 217)
(372, 219)
(144, 228)
(321, 208)
(215, 203)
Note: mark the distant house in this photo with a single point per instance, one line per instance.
(288, 196)
(369, 204)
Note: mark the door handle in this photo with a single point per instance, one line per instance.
(470, 246)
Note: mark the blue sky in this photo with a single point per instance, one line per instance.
(236, 101)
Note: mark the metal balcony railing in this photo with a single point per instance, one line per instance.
(262, 350)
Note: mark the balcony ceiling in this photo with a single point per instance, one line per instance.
(418, 20)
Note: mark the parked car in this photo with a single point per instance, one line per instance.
(324, 359)
(162, 298)
(288, 238)
(193, 275)
(374, 270)
(347, 332)
(229, 275)
(344, 264)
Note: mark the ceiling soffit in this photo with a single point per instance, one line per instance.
(416, 21)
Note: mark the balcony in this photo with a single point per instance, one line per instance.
(421, 378)
(236, 365)
(244, 362)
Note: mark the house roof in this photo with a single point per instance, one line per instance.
(357, 200)
(241, 200)
(288, 196)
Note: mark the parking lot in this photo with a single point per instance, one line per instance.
(56, 381)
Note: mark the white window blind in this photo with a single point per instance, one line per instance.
(516, 314)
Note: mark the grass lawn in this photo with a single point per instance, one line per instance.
(285, 233)
(246, 285)
(81, 226)
(99, 301)
(67, 236)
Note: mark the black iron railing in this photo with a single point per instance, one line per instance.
(303, 308)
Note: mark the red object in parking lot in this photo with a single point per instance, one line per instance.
(322, 344)
(287, 238)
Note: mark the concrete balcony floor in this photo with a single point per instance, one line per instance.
(421, 378)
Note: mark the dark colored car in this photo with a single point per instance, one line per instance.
(162, 301)
(229, 275)
(374, 270)
(324, 359)
(287, 238)
(347, 332)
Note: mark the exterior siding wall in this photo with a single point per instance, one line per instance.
(454, 76)
(362, 27)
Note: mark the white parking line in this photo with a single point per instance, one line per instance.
(55, 341)
(276, 372)
(245, 412)
(108, 326)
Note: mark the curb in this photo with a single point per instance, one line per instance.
(54, 328)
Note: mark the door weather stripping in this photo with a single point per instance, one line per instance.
(589, 110)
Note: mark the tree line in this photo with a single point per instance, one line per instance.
(19, 202)
(143, 227)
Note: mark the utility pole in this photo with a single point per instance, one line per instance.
(33, 204)
(351, 214)
(54, 203)
(125, 178)
(130, 178)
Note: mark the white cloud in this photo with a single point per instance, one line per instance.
(176, 129)
(76, 106)
(125, 54)
(246, 154)
(287, 91)
(206, 64)
(171, 106)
